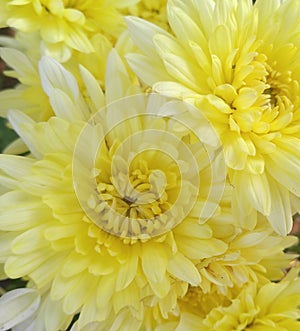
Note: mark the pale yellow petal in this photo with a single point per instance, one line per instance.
(280, 214)
(127, 273)
(18, 212)
(142, 33)
(63, 106)
(184, 269)
(93, 88)
(148, 70)
(21, 265)
(17, 167)
(149, 259)
(54, 75)
(117, 80)
(16, 147)
(201, 248)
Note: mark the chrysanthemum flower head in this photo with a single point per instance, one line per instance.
(134, 233)
(22, 55)
(274, 306)
(239, 63)
(28, 95)
(67, 25)
(154, 11)
(129, 200)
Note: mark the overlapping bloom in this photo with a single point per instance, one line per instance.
(66, 25)
(239, 63)
(69, 250)
(22, 54)
(152, 11)
(254, 307)
(274, 306)
(111, 234)
(136, 210)
(23, 65)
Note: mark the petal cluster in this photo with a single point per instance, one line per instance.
(156, 171)
(223, 58)
(66, 25)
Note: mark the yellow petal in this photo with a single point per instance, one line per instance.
(78, 40)
(258, 191)
(201, 248)
(148, 70)
(127, 272)
(142, 33)
(18, 212)
(184, 269)
(154, 255)
(280, 214)
(105, 290)
(30, 240)
(22, 265)
(16, 166)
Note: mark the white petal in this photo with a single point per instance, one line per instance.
(92, 326)
(63, 106)
(53, 136)
(51, 313)
(6, 239)
(54, 75)
(148, 70)
(184, 27)
(16, 306)
(142, 33)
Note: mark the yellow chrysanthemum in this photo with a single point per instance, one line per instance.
(68, 219)
(22, 54)
(264, 307)
(22, 61)
(67, 25)
(239, 63)
(273, 307)
(62, 246)
(154, 11)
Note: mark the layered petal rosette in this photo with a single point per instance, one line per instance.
(115, 214)
(103, 207)
(239, 64)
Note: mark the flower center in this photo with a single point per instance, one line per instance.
(264, 103)
(142, 198)
(200, 303)
(137, 176)
(137, 202)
